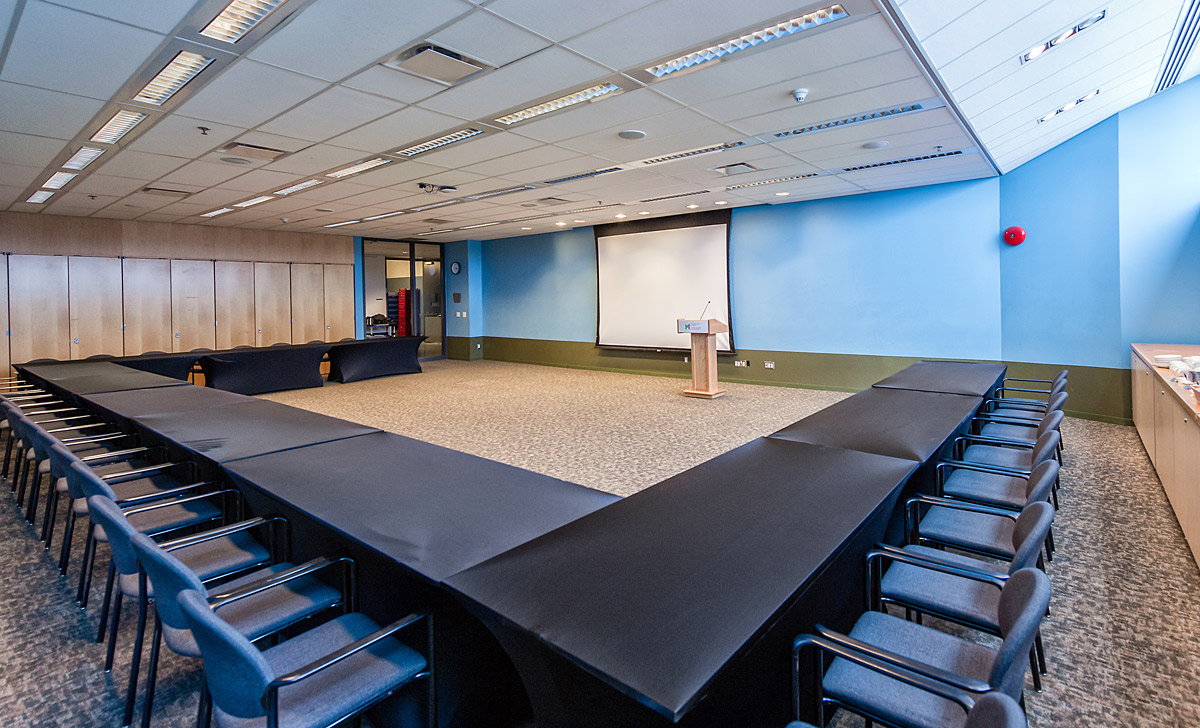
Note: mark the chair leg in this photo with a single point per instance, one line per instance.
(202, 710)
(152, 672)
(112, 632)
(108, 590)
(8, 448)
(135, 663)
(1033, 670)
(88, 548)
(34, 496)
(1041, 652)
(64, 555)
(48, 516)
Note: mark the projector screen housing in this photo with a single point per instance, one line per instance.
(652, 272)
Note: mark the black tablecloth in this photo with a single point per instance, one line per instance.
(950, 377)
(255, 371)
(898, 423)
(248, 428)
(142, 402)
(656, 593)
(352, 361)
(92, 377)
(432, 509)
(176, 366)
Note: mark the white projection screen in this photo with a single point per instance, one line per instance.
(647, 280)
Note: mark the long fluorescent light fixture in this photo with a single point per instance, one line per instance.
(300, 186)
(255, 201)
(441, 141)
(479, 225)
(1068, 106)
(1054, 42)
(339, 224)
(857, 119)
(497, 193)
(562, 102)
(40, 196)
(749, 40)
(690, 153)
(386, 214)
(118, 126)
(773, 181)
(58, 180)
(360, 167)
(183, 68)
(214, 213)
(436, 204)
(82, 158)
(584, 175)
(239, 18)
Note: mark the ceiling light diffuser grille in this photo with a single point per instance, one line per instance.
(40, 196)
(869, 116)
(82, 158)
(585, 175)
(1054, 42)
(118, 126)
(436, 204)
(254, 201)
(587, 209)
(497, 193)
(360, 167)
(214, 213)
(672, 197)
(300, 186)
(441, 141)
(562, 102)
(386, 214)
(690, 153)
(793, 178)
(58, 180)
(339, 224)
(939, 155)
(183, 68)
(1069, 105)
(239, 18)
(749, 40)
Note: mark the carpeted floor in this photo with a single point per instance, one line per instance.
(1123, 637)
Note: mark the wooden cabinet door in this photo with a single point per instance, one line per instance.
(235, 303)
(1186, 439)
(147, 296)
(1143, 402)
(193, 305)
(5, 360)
(1165, 408)
(308, 303)
(94, 286)
(272, 304)
(39, 314)
(339, 302)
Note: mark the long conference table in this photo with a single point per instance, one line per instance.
(676, 605)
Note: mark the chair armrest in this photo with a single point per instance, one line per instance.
(958, 505)
(77, 428)
(1034, 381)
(177, 501)
(306, 569)
(988, 440)
(58, 420)
(1021, 389)
(980, 468)
(117, 454)
(966, 684)
(138, 473)
(989, 418)
(184, 541)
(337, 656)
(943, 566)
(96, 438)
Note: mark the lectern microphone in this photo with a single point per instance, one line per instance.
(705, 309)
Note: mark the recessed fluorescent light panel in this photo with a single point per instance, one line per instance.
(82, 158)
(339, 224)
(183, 68)
(690, 153)
(214, 213)
(239, 18)
(479, 225)
(300, 186)
(58, 180)
(749, 40)
(773, 181)
(562, 102)
(386, 214)
(436, 204)
(360, 167)
(1068, 106)
(497, 193)
(254, 201)
(858, 119)
(441, 141)
(39, 197)
(1062, 37)
(118, 126)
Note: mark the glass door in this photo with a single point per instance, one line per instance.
(428, 298)
(404, 292)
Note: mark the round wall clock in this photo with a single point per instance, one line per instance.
(455, 267)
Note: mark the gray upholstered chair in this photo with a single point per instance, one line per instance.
(958, 588)
(1000, 402)
(980, 484)
(877, 693)
(1005, 456)
(992, 710)
(315, 679)
(257, 605)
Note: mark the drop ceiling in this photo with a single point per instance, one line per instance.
(900, 93)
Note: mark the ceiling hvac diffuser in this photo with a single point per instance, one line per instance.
(434, 63)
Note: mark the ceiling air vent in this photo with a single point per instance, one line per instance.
(729, 170)
(1181, 47)
(585, 175)
(858, 119)
(672, 197)
(902, 161)
(436, 64)
(253, 150)
(165, 192)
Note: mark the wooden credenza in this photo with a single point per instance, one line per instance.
(1166, 418)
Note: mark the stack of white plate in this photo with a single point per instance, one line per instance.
(1164, 360)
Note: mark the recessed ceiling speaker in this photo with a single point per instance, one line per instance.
(632, 134)
(875, 145)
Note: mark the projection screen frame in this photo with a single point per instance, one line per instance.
(673, 222)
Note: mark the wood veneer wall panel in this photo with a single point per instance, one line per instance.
(235, 304)
(94, 295)
(339, 302)
(37, 303)
(147, 297)
(308, 302)
(272, 304)
(193, 305)
(4, 357)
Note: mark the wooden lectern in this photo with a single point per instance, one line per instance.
(704, 355)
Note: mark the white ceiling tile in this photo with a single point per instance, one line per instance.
(261, 180)
(103, 184)
(484, 148)
(394, 84)
(367, 29)
(548, 72)
(821, 141)
(249, 93)
(623, 110)
(81, 201)
(317, 158)
(184, 208)
(837, 107)
(46, 113)
(402, 172)
(535, 157)
(102, 53)
(926, 17)
(485, 37)
(160, 16)
(695, 137)
(180, 136)
(657, 127)
(14, 175)
(214, 197)
(139, 165)
(203, 173)
(273, 141)
(34, 151)
(7, 8)
(160, 217)
(408, 125)
(330, 191)
(554, 170)
(332, 112)
(560, 20)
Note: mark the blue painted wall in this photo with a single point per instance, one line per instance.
(468, 284)
(541, 286)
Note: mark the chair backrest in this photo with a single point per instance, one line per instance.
(1061, 376)
(1023, 602)
(1058, 386)
(1041, 481)
(41, 442)
(996, 710)
(1051, 421)
(236, 672)
(1046, 446)
(105, 513)
(82, 481)
(1057, 402)
(169, 576)
(1029, 533)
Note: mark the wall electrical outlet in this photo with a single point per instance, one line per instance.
(741, 363)
(686, 360)
(769, 364)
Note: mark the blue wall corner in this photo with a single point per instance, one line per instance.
(468, 284)
(359, 295)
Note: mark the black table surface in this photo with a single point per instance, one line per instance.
(899, 423)
(92, 377)
(248, 428)
(432, 509)
(162, 400)
(656, 593)
(949, 377)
